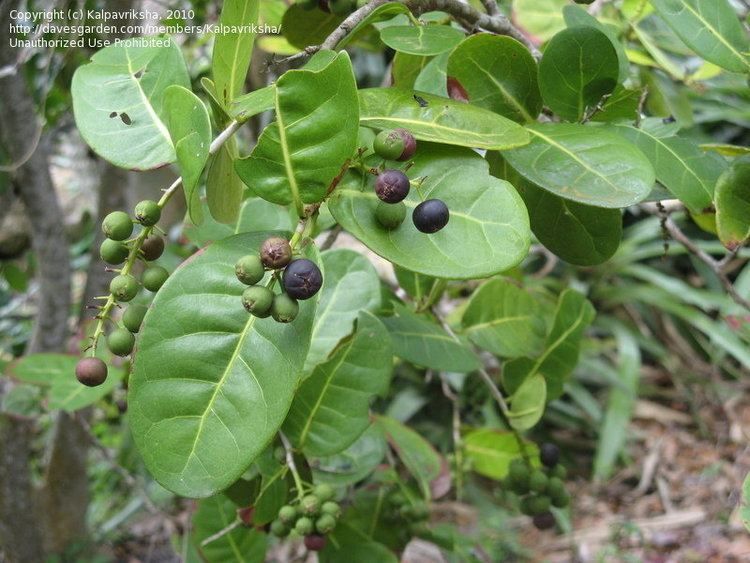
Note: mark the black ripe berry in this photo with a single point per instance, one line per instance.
(113, 251)
(120, 342)
(430, 216)
(544, 521)
(302, 279)
(392, 186)
(284, 309)
(390, 215)
(154, 277)
(549, 454)
(133, 317)
(315, 542)
(124, 287)
(275, 252)
(117, 225)
(152, 247)
(147, 213)
(91, 371)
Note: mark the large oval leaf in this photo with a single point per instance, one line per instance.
(331, 407)
(711, 28)
(488, 231)
(585, 164)
(733, 204)
(579, 66)
(499, 74)
(232, 49)
(352, 285)
(307, 27)
(315, 132)
(211, 385)
(353, 464)
(441, 120)
(577, 16)
(117, 102)
(490, 451)
(424, 40)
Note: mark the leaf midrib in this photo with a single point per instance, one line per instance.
(147, 103)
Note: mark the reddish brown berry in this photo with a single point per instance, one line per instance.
(91, 371)
(315, 542)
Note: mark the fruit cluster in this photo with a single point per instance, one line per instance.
(540, 489)
(300, 279)
(313, 517)
(414, 512)
(392, 186)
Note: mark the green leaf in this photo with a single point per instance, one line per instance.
(426, 40)
(349, 544)
(424, 343)
(541, 18)
(190, 130)
(352, 285)
(433, 78)
(578, 16)
(680, 165)
(232, 50)
(406, 68)
(504, 319)
(331, 408)
(354, 463)
(490, 451)
(499, 74)
(303, 28)
(241, 545)
(244, 107)
(211, 384)
(416, 285)
(441, 121)
(487, 232)
(711, 28)
(527, 403)
(315, 132)
(224, 189)
(117, 102)
(418, 455)
(585, 164)
(733, 204)
(578, 67)
(273, 490)
(381, 13)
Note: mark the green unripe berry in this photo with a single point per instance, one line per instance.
(124, 287)
(117, 225)
(133, 317)
(147, 213)
(310, 504)
(249, 269)
(559, 471)
(154, 277)
(120, 342)
(325, 524)
(538, 481)
(304, 526)
(518, 477)
(324, 492)
(113, 251)
(390, 215)
(284, 309)
(555, 487)
(561, 500)
(388, 144)
(331, 508)
(538, 504)
(279, 454)
(257, 300)
(279, 529)
(287, 514)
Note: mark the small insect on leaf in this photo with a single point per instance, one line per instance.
(421, 101)
(113, 114)
(138, 74)
(125, 118)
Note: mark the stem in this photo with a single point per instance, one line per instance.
(292, 466)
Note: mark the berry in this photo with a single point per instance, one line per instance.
(555, 487)
(559, 471)
(549, 454)
(325, 524)
(279, 454)
(245, 515)
(544, 521)
(430, 216)
(120, 342)
(304, 526)
(341, 7)
(279, 529)
(526, 506)
(538, 481)
(561, 500)
(124, 287)
(152, 247)
(410, 144)
(315, 542)
(310, 504)
(284, 309)
(117, 225)
(518, 476)
(113, 251)
(154, 277)
(133, 317)
(538, 504)
(275, 252)
(257, 300)
(287, 513)
(388, 145)
(91, 371)
(249, 269)
(147, 213)
(390, 216)
(302, 279)
(392, 186)
(586, 2)
(324, 492)
(331, 508)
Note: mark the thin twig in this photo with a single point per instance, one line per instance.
(290, 463)
(457, 442)
(221, 533)
(491, 7)
(333, 234)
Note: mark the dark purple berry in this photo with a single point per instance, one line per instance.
(544, 521)
(91, 371)
(549, 454)
(315, 542)
(430, 216)
(392, 186)
(410, 144)
(302, 279)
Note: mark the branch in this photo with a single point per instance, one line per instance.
(491, 7)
